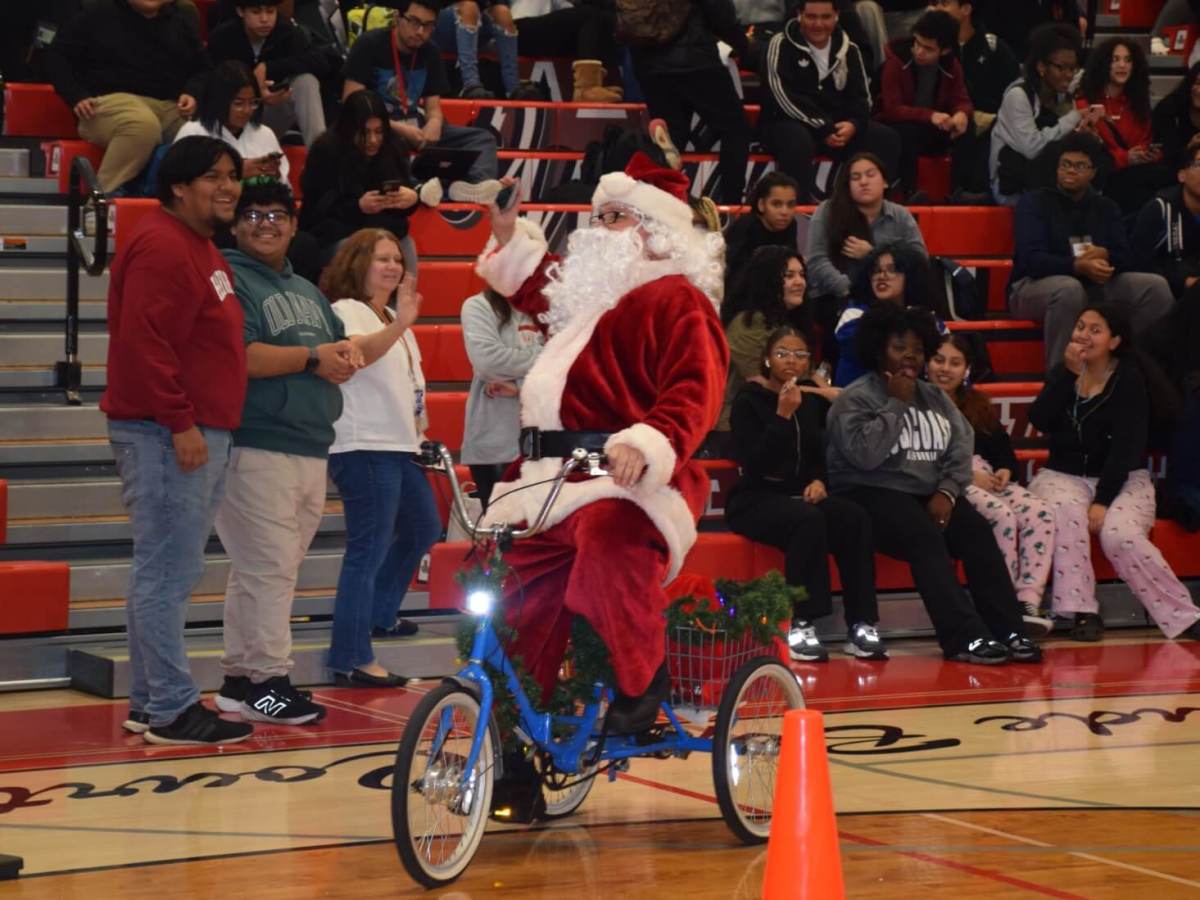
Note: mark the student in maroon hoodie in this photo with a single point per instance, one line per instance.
(923, 96)
(176, 383)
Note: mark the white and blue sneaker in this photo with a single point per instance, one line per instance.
(803, 644)
(863, 642)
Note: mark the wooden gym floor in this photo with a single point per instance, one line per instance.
(1074, 779)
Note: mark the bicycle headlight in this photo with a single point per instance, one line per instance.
(480, 602)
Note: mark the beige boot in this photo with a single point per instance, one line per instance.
(589, 83)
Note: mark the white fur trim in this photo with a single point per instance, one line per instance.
(653, 445)
(514, 502)
(506, 268)
(617, 187)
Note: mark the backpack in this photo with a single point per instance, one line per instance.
(964, 299)
(368, 18)
(650, 23)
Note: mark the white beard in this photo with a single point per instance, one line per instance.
(601, 267)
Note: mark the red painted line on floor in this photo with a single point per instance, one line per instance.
(669, 788)
(964, 867)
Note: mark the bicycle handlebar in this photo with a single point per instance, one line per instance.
(434, 455)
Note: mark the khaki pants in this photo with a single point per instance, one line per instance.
(273, 505)
(304, 108)
(129, 127)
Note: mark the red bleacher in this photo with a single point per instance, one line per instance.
(34, 596)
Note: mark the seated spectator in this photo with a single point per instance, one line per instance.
(129, 69)
(783, 500)
(923, 96)
(230, 108)
(277, 51)
(296, 356)
(899, 448)
(1176, 118)
(1117, 80)
(771, 222)
(989, 67)
(357, 176)
(1166, 234)
(391, 517)
(686, 77)
(896, 274)
(819, 98)
(1071, 246)
(502, 344)
(581, 31)
(1036, 112)
(1022, 524)
(466, 25)
(1095, 409)
(405, 69)
(843, 232)
(769, 293)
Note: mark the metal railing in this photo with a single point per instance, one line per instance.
(68, 373)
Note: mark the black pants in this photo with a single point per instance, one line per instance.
(794, 145)
(807, 533)
(576, 32)
(903, 530)
(486, 476)
(710, 94)
(923, 138)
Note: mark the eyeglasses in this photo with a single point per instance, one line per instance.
(274, 216)
(1065, 165)
(885, 272)
(611, 217)
(246, 104)
(783, 354)
(1068, 69)
(420, 24)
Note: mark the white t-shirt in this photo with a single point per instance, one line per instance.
(383, 402)
(253, 142)
(820, 56)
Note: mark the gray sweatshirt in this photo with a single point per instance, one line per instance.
(1016, 127)
(825, 279)
(493, 424)
(918, 448)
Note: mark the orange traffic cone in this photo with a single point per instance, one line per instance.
(803, 859)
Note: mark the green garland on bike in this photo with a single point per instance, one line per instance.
(755, 607)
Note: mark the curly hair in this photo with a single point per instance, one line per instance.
(759, 289)
(346, 275)
(920, 286)
(884, 321)
(1096, 76)
(975, 406)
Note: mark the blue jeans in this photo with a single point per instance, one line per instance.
(465, 40)
(391, 522)
(171, 513)
(465, 137)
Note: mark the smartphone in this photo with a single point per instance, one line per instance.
(280, 84)
(504, 196)
(392, 185)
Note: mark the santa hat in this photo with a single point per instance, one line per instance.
(656, 192)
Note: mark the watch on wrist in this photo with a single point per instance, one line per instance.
(314, 360)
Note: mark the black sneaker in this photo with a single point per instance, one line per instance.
(402, 628)
(136, 722)
(234, 690)
(1023, 650)
(1088, 627)
(275, 700)
(198, 725)
(982, 652)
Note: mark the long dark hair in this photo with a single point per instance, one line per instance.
(500, 306)
(920, 287)
(1166, 404)
(220, 88)
(1180, 98)
(845, 219)
(358, 109)
(1096, 76)
(1044, 42)
(759, 289)
(975, 406)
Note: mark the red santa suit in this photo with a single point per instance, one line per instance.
(651, 370)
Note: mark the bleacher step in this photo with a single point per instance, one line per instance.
(33, 218)
(14, 162)
(36, 422)
(103, 668)
(51, 310)
(48, 284)
(16, 186)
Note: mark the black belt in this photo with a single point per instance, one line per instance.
(536, 443)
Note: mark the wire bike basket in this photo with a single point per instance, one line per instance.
(701, 663)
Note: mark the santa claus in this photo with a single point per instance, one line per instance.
(634, 364)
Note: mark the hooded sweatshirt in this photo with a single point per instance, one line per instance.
(878, 441)
(898, 87)
(286, 413)
(778, 454)
(797, 91)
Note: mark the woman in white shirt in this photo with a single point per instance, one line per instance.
(391, 517)
(230, 108)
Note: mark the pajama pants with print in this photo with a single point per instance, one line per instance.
(1024, 528)
(1124, 538)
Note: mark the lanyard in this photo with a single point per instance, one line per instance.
(401, 86)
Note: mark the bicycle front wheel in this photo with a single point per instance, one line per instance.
(439, 809)
(746, 744)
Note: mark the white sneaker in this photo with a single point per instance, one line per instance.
(863, 641)
(1037, 624)
(803, 644)
(481, 193)
(431, 193)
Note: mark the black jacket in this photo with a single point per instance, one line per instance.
(794, 91)
(1171, 124)
(336, 177)
(287, 50)
(997, 449)
(777, 454)
(1044, 223)
(1104, 437)
(745, 235)
(108, 48)
(989, 66)
(1166, 239)
(694, 49)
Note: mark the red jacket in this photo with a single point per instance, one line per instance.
(1121, 129)
(176, 351)
(898, 87)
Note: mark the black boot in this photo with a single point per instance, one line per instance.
(629, 715)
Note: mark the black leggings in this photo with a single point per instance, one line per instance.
(577, 32)
(807, 533)
(903, 530)
(486, 476)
